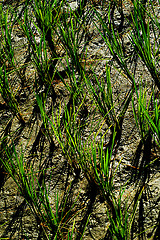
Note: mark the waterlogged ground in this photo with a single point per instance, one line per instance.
(17, 221)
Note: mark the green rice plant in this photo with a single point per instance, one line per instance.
(147, 114)
(8, 65)
(153, 17)
(38, 51)
(142, 107)
(71, 32)
(45, 17)
(153, 118)
(64, 26)
(45, 128)
(41, 100)
(119, 227)
(103, 171)
(70, 136)
(70, 36)
(71, 234)
(48, 15)
(121, 224)
(1, 12)
(36, 194)
(140, 117)
(101, 92)
(114, 42)
(6, 52)
(8, 95)
(101, 166)
(85, 155)
(6, 49)
(140, 39)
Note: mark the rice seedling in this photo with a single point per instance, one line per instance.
(152, 118)
(141, 41)
(37, 195)
(8, 66)
(140, 118)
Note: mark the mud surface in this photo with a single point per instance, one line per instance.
(17, 221)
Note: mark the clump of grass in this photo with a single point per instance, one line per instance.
(141, 39)
(36, 193)
(8, 66)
